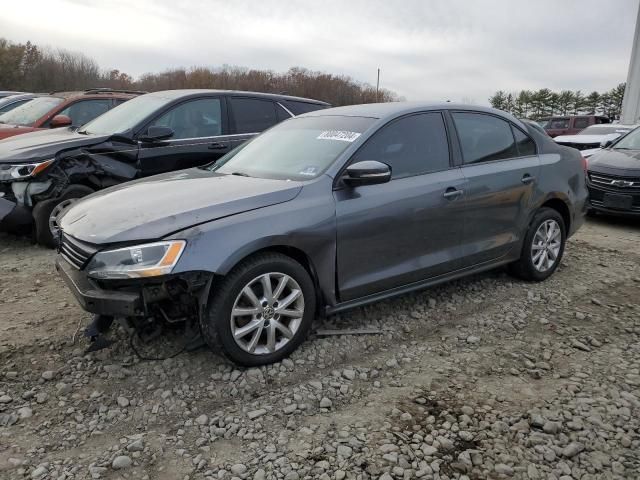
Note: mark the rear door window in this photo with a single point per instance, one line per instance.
(252, 115)
(582, 122)
(193, 119)
(411, 145)
(484, 138)
(558, 123)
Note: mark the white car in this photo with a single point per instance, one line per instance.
(591, 139)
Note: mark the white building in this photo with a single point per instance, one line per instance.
(631, 102)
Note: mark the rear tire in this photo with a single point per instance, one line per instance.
(261, 311)
(42, 214)
(543, 247)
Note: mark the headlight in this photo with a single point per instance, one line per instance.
(149, 260)
(22, 171)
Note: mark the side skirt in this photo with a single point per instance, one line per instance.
(394, 292)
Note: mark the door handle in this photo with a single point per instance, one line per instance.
(218, 146)
(527, 179)
(452, 193)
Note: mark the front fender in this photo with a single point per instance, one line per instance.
(306, 223)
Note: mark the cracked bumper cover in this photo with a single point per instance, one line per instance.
(93, 299)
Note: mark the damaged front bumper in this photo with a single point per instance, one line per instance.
(96, 300)
(172, 299)
(13, 217)
(16, 204)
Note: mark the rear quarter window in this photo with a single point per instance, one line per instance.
(298, 108)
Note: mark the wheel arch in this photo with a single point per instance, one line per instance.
(290, 251)
(561, 206)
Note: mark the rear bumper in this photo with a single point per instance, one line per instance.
(93, 299)
(13, 217)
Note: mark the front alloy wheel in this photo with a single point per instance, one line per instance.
(54, 227)
(267, 313)
(261, 311)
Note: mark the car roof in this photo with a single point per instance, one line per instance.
(97, 93)
(394, 109)
(20, 96)
(182, 93)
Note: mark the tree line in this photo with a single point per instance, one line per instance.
(28, 67)
(545, 103)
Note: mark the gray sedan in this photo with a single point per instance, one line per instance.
(324, 212)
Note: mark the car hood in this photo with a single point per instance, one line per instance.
(585, 139)
(43, 144)
(151, 208)
(616, 162)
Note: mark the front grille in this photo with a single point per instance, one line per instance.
(75, 252)
(615, 183)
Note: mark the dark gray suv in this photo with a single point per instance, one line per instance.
(323, 212)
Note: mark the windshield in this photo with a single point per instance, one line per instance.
(297, 149)
(27, 114)
(631, 141)
(599, 130)
(125, 116)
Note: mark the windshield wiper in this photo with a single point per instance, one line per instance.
(240, 174)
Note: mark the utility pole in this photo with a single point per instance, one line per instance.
(378, 86)
(631, 101)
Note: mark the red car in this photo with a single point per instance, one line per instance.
(570, 125)
(61, 109)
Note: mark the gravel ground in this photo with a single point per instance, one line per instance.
(483, 378)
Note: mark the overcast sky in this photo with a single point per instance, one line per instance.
(427, 49)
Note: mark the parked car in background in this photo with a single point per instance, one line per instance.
(13, 101)
(43, 172)
(570, 125)
(614, 177)
(332, 210)
(591, 139)
(6, 93)
(61, 109)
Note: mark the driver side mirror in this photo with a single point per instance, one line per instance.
(368, 172)
(606, 143)
(155, 133)
(60, 121)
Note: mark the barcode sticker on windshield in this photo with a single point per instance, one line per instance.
(341, 135)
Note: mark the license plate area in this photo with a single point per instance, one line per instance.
(619, 202)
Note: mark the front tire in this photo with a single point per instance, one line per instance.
(261, 311)
(46, 213)
(543, 247)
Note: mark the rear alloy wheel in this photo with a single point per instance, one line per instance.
(261, 311)
(546, 246)
(543, 246)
